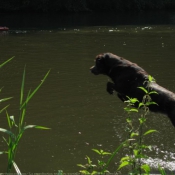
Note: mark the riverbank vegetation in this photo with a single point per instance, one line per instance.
(85, 5)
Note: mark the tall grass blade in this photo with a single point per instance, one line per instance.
(5, 140)
(4, 152)
(16, 168)
(22, 86)
(35, 90)
(7, 132)
(12, 118)
(113, 154)
(162, 171)
(4, 108)
(21, 133)
(15, 144)
(23, 112)
(6, 62)
(8, 120)
(5, 99)
(1, 89)
(35, 126)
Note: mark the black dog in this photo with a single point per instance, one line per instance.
(127, 77)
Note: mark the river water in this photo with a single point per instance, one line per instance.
(73, 102)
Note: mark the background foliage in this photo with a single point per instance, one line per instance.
(85, 5)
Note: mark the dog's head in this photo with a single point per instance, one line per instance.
(104, 63)
(99, 67)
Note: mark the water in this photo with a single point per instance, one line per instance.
(73, 102)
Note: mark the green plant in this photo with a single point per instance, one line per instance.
(102, 165)
(162, 171)
(16, 130)
(134, 143)
(136, 135)
(99, 168)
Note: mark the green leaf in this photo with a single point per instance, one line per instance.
(134, 134)
(143, 89)
(101, 152)
(16, 168)
(127, 158)
(85, 172)
(60, 172)
(8, 120)
(97, 151)
(153, 92)
(34, 126)
(128, 120)
(133, 110)
(7, 132)
(5, 99)
(80, 165)
(151, 103)
(130, 109)
(149, 132)
(151, 79)
(106, 153)
(113, 155)
(13, 120)
(105, 171)
(89, 160)
(4, 108)
(141, 104)
(101, 163)
(6, 62)
(5, 140)
(22, 86)
(146, 168)
(94, 172)
(22, 116)
(133, 100)
(142, 120)
(162, 171)
(4, 152)
(123, 164)
(35, 90)
(136, 152)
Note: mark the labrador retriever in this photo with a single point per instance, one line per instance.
(127, 77)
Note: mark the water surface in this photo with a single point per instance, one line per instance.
(73, 102)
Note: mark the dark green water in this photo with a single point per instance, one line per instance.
(72, 101)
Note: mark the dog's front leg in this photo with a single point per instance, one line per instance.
(122, 97)
(110, 87)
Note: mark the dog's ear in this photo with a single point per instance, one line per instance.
(99, 57)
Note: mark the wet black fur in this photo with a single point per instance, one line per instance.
(127, 77)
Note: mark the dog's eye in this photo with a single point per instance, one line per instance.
(98, 60)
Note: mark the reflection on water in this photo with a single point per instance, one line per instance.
(72, 101)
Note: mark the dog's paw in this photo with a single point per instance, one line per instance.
(110, 88)
(110, 91)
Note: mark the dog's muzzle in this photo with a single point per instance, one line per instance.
(94, 70)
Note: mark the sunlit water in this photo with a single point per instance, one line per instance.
(73, 102)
